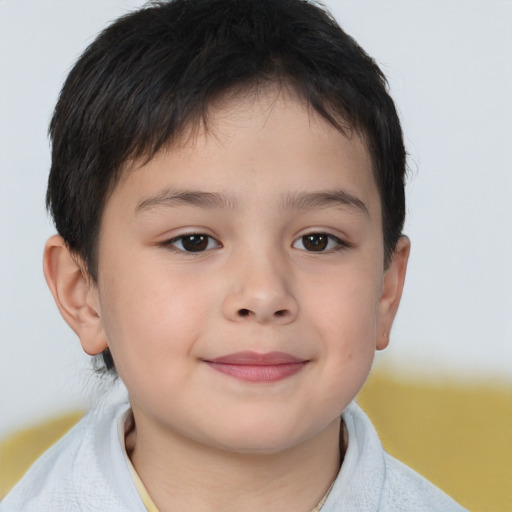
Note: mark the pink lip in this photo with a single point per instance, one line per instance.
(256, 367)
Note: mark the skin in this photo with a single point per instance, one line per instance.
(205, 440)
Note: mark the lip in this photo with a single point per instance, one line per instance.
(258, 367)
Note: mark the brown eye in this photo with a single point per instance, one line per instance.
(318, 242)
(193, 243)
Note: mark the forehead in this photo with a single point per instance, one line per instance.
(261, 143)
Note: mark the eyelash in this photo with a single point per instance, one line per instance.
(202, 238)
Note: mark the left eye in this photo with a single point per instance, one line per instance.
(196, 242)
(318, 242)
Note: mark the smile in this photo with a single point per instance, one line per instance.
(256, 367)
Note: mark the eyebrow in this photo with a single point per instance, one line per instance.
(324, 199)
(171, 198)
(293, 201)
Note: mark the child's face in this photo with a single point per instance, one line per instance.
(286, 260)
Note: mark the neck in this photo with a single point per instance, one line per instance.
(180, 474)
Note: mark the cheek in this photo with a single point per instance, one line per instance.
(152, 316)
(346, 323)
(348, 312)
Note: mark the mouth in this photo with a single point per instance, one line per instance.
(257, 367)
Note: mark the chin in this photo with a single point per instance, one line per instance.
(262, 439)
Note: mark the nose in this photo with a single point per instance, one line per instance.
(259, 291)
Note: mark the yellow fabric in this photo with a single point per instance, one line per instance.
(125, 425)
(141, 489)
(322, 501)
(458, 436)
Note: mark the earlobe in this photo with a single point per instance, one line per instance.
(74, 294)
(393, 284)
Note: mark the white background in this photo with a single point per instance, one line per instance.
(449, 67)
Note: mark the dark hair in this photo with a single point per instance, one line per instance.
(154, 72)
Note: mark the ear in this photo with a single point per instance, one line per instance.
(75, 294)
(392, 287)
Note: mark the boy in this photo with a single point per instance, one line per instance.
(227, 184)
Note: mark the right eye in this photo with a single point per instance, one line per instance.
(194, 242)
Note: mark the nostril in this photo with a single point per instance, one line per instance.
(280, 314)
